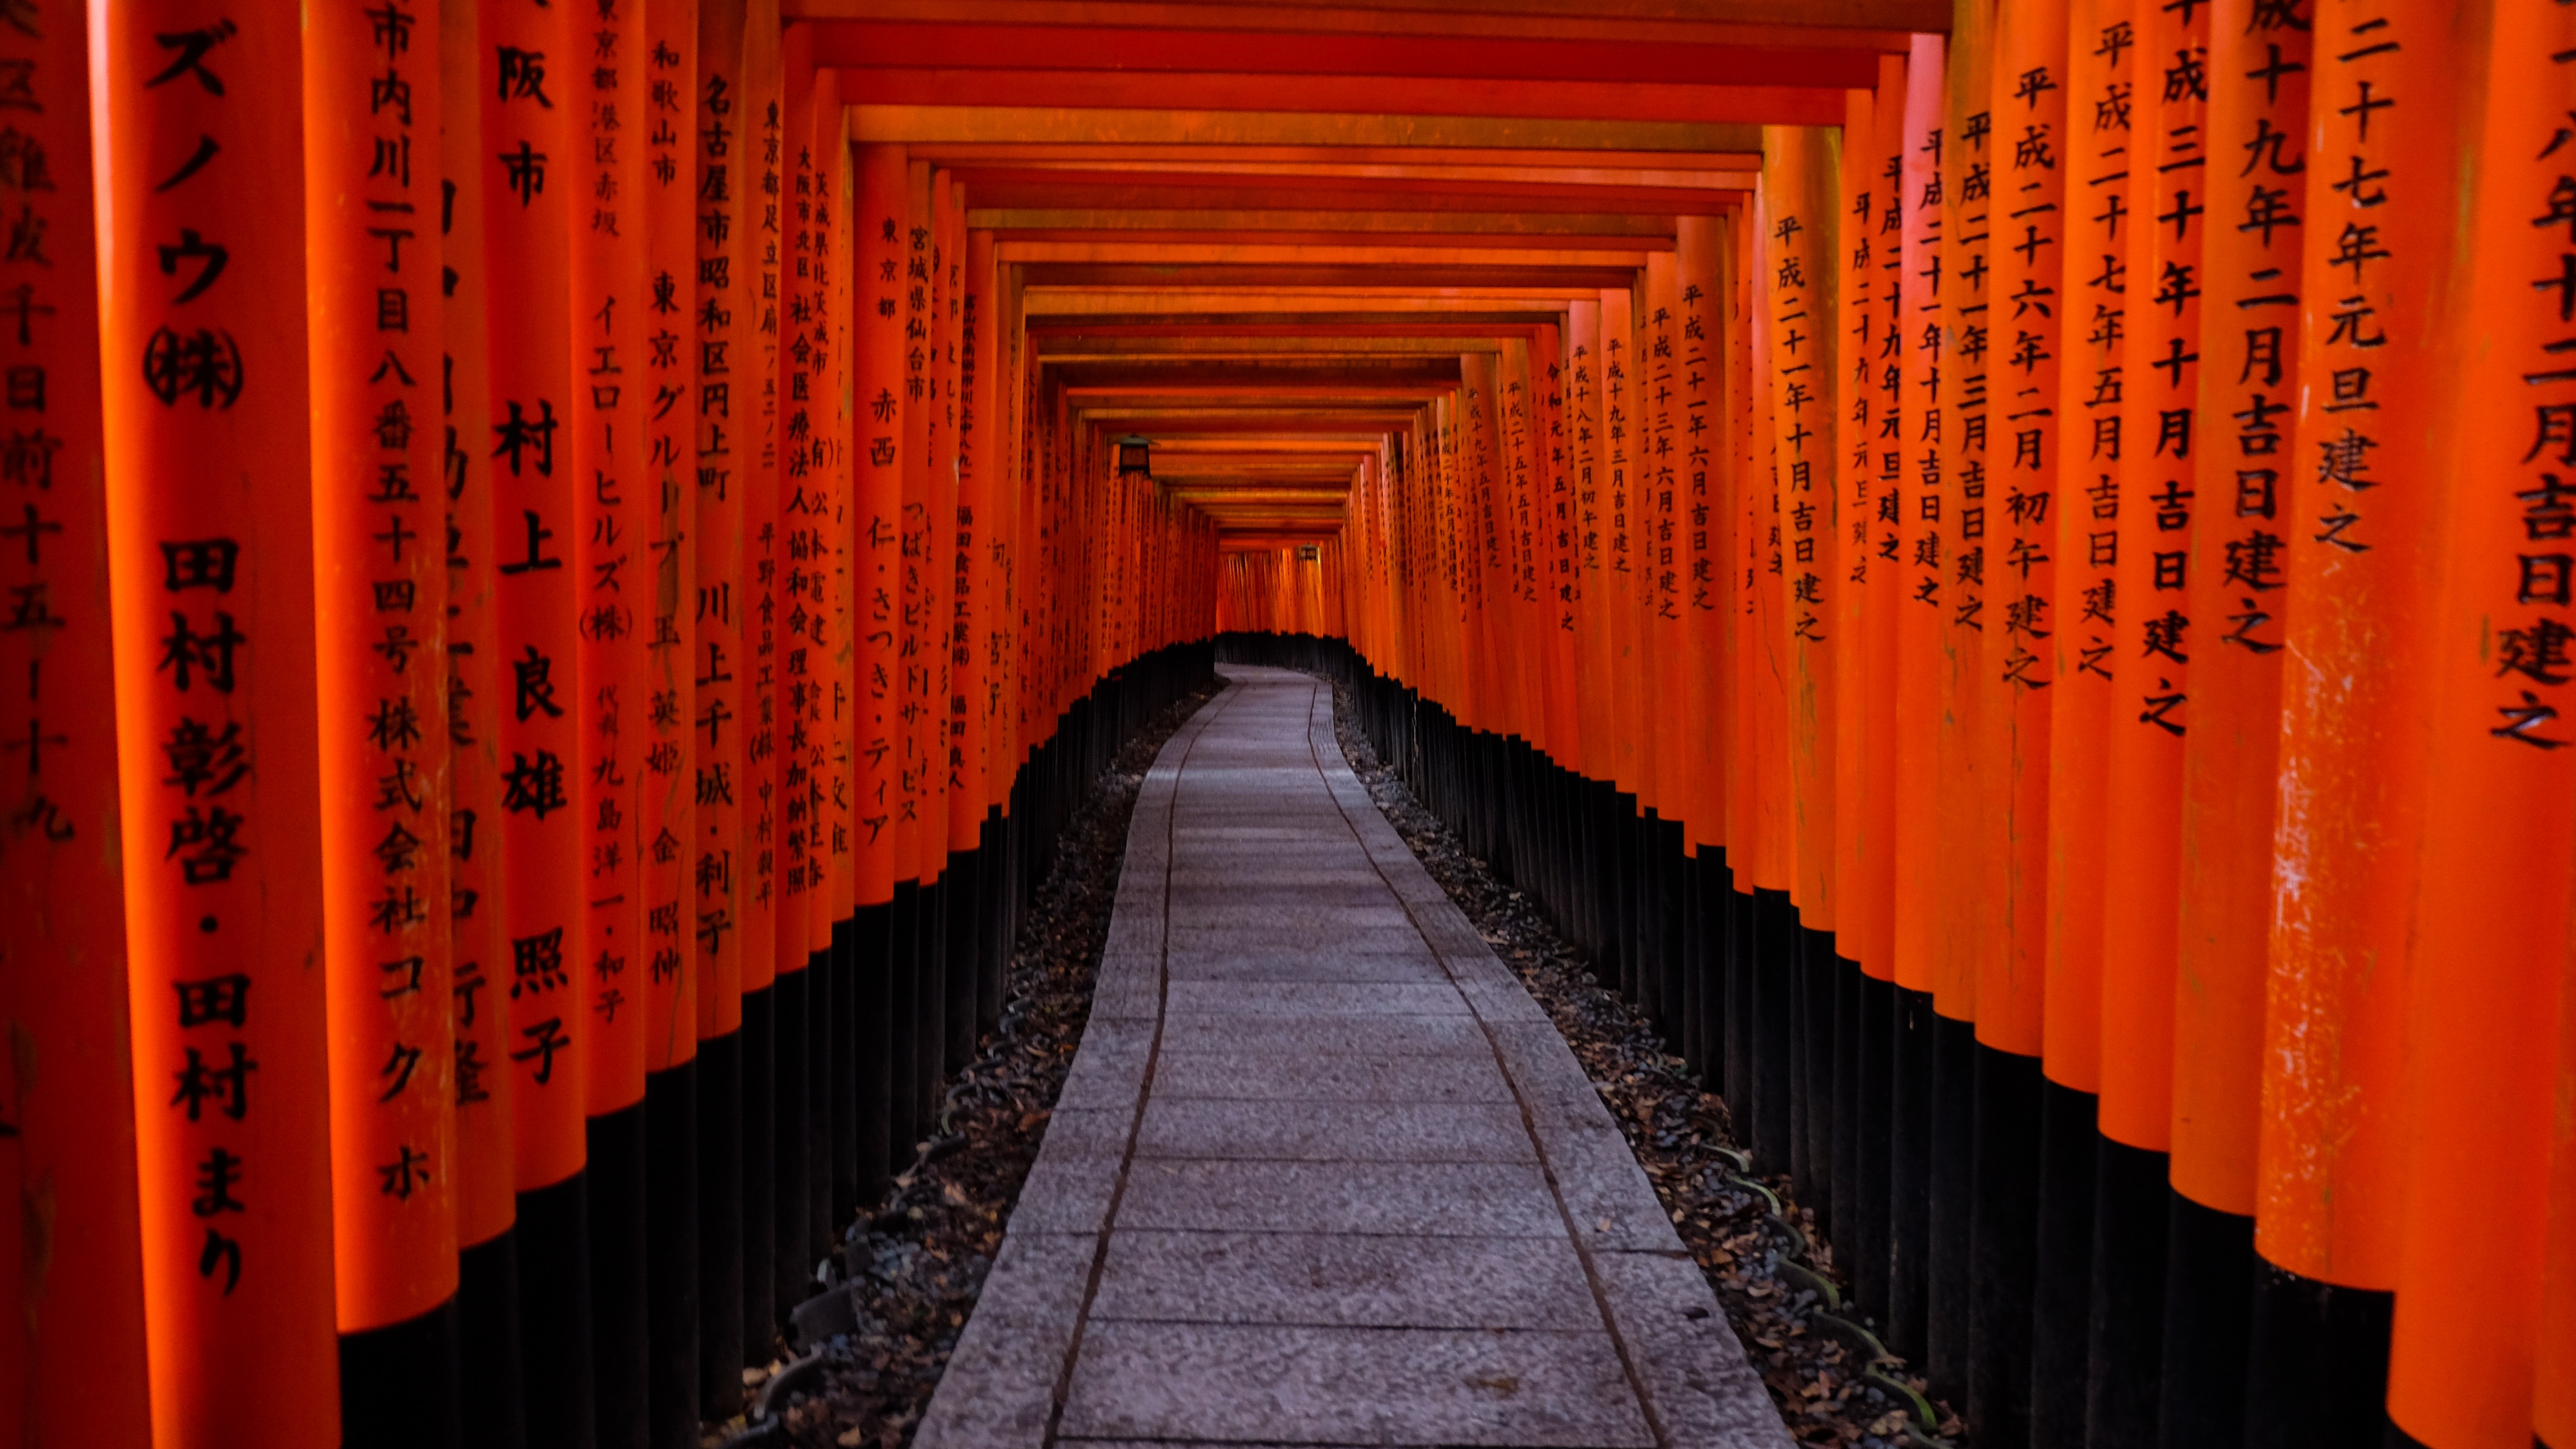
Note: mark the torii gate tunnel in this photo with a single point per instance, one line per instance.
(2003, 566)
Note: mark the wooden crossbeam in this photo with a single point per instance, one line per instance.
(1148, 54)
(1882, 25)
(1019, 119)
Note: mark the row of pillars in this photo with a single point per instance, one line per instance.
(548, 626)
(2094, 533)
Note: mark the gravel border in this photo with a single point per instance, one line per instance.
(916, 1264)
(1771, 1269)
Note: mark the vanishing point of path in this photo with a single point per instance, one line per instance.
(1323, 1173)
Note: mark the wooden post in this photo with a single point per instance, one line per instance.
(666, 91)
(1764, 702)
(2486, 1014)
(761, 135)
(1918, 625)
(2152, 642)
(920, 988)
(799, 596)
(491, 1408)
(976, 580)
(1797, 287)
(2026, 299)
(2101, 91)
(1872, 293)
(372, 314)
(2250, 276)
(2029, 112)
(876, 516)
(723, 413)
(526, 181)
(74, 1365)
(834, 1083)
(2356, 694)
(1860, 738)
(610, 317)
(210, 571)
(2250, 271)
(941, 853)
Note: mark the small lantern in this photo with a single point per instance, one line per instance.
(1135, 457)
(1308, 553)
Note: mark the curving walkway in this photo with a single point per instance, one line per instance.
(1323, 1173)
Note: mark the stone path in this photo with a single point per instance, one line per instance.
(1323, 1173)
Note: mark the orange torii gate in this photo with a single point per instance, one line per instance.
(2073, 862)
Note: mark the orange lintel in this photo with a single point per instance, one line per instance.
(1378, 278)
(1288, 160)
(973, 47)
(1017, 237)
(1345, 424)
(1245, 308)
(1556, 100)
(1067, 334)
(1371, 252)
(1685, 169)
(952, 124)
(1131, 189)
(1881, 25)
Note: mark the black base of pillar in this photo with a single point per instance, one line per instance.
(1668, 893)
(791, 1262)
(993, 942)
(1864, 1255)
(492, 1405)
(398, 1383)
(1843, 1227)
(965, 971)
(872, 987)
(2209, 1322)
(1741, 1029)
(2062, 1267)
(2317, 1371)
(904, 1026)
(1690, 985)
(1715, 921)
(671, 1256)
(720, 1239)
(2006, 1224)
(928, 1022)
(621, 1353)
(1774, 951)
(554, 1315)
(759, 1147)
(841, 1091)
(1953, 1164)
(2125, 1377)
(1909, 1187)
(932, 1058)
(1816, 988)
(822, 1031)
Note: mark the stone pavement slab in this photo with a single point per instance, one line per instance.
(1372, 1385)
(1399, 966)
(1322, 1173)
(1419, 1199)
(1289, 1076)
(1355, 1279)
(1206, 1128)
